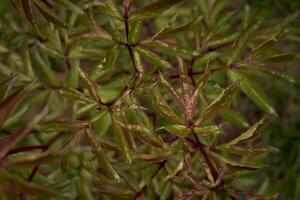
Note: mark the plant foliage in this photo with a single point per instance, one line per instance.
(134, 99)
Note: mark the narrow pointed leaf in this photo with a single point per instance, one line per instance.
(253, 91)
(247, 151)
(92, 86)
(209, 57)
(276, 74)
(135, 32)
(234, 118)
(242, 41)
(163, 108)
(49, 14)
(171, 31)
(253, 131)
(121, 139)
(103, 160)
(111, 9)
(170, 89)
(235, 164)
(178, 130)
(157, 158)
(152, 10)
(9, 181)
(222, 101)
(10, 103)
(144, 134)
(154, 58)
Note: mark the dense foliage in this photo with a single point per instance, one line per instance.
(167, 99)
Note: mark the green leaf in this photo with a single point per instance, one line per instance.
(92, 85)
(241, 43)
(253, 131)
(203, 130)
(73, 93)
(234, 118)
(61, 126)
(177, 130)
(209, 57)
(70, 6)
(9, 141)
(72, 79)
(221, 102)
(37, 159)
(246, 151)
(152, 10)
(281, 58)
(222, 40)
(276, 74)
(110, 8)
(121, 139)
(103, 160)
(172, 49)
(163, 108)
(135, 32)
(185, 81)
(45, 69)
(235, 164)
(157, 158)
(50, 51)
(49, 14)
(10, 181)
(144, 134)
(253, 91)
(154, 58)
(10, 103)
(171, 31)
(137, 60)
(170, 89)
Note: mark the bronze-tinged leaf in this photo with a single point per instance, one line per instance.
(92, 85)
(236, 164)
(246, 151)
(157, 158)
(171, 90)
(103, 160)
(145, 135)
(110, 8)
(8, 142)
(121, 137)
(199, 86)
(77, 95)
(222, 101)
(62, 125)
(153, 9)
(171, 31)
(10, 103)
(49, 14)
(14, 183)
(115, 191)
(177, 130)
(37, 159)
(163, 108)
(185, 81)
(176, 170)
(253, 131)
(28, 10)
